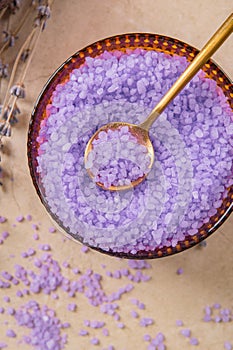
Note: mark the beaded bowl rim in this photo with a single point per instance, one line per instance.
(122, 42)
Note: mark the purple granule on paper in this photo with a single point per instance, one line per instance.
(84, 249)
(134, 314)
(24, 255)
(186, 332)
(228, 345)
(65, 264)
(179, 323)
(52, 229)
(193, 159)
(141, 306)
(10, 333)
(71, 307)
(147, 337)
(35, 236)
(44, 247)
(4, 284)
(105, 332)
(2, 310)
(7, 275)
(97, 324)
(65, 325)
(10, 311)
(95, 341)
(6, 298)
(31, 252)
(120, 325)
(83, 332)
(2, 219)
(28, 217)
(3, 345)
(180, 271)
(35, 227)
(20, 218)
(194, 341)
(121, 162)
(5, 234)
(76, 270)
(139, 264)
(19, 294)
(146, 321)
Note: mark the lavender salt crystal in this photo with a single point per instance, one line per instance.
(117, 158)
(193, 158)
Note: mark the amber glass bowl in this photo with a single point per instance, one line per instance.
(123, 42)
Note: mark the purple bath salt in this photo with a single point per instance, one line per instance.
(193, 158)
(72, 307)
(117, 158)
(186, 332)
(20, 218)
(83, 332)
(2, 219)
(52, 229)
(146, 321)
(10, 333)
(95, 341)
(228, 345)
(194, 341)
(179, 323)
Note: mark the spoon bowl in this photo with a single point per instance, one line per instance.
(142, 137)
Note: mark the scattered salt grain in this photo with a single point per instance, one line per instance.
(72, 307)
(83, 332)
(95, 341)
(2, 219)
(179, 323)
(180, 271)
(146, 321)
(120, 325)
(134, 314)
(186, 332)
(228, 345)
(20, 218)
(105, 332)
(28, 217)
(84, 249)
(10, 333)
(5, 234)
(194, 341)
(35, 236)
(6, 298)
(147, 337)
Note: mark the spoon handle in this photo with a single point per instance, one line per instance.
(202, 57)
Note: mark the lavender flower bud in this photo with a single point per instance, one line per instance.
(3, 70)
(18, 91)
(9, 37)
(44, 13)
(25, 55)
(5, 129)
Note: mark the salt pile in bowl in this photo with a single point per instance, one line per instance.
(192, 141)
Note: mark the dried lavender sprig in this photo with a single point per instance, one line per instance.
(13, 35)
